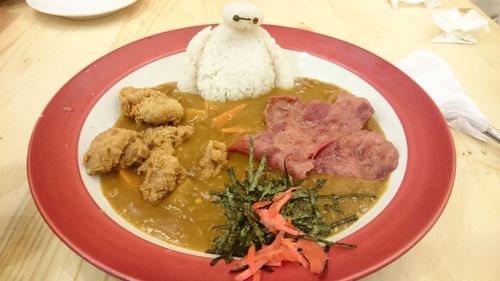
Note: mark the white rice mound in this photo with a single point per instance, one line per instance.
(224, 65)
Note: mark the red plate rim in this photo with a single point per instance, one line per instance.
(64, 203)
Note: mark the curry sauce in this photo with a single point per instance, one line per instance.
(186, 217)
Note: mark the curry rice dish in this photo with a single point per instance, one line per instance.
(169, 151)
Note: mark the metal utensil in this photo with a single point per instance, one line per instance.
(493, 133)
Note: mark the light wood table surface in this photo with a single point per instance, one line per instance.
(39, 53)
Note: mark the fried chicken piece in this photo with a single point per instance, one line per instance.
(164, 135)
(214, 158)
(115, 147)
(150, 106)
(163, 173)
(134, 154)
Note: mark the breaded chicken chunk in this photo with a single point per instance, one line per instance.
(115, 147)
(162, 170)
(214, 158)
(150, 106)
(163, 173)
(134, 154)
(164, 135)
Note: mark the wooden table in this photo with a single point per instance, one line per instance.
(39, 53)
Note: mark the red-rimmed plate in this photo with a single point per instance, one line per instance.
(77, 213)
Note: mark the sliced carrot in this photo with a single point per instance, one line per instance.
(244, 275)
(235, 130)
(314, 254)
(278, 240)
(260, 204)
(293, 253)
(272, 258)
(267, 250)
(281, 200)
(226, 116)
(276, 223)
(289, 230)
(270, 255)
(274, 263)
(285, 194)
(282, 249)
(251, 258)
(248, 272)
(271, 217)
(256, 275)
(131, 179)
(307, 253)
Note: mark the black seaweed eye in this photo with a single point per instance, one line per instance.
(236, 18)
(255, 20)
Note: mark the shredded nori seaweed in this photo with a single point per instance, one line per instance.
(243, 228)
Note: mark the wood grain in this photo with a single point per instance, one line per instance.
(39, 53)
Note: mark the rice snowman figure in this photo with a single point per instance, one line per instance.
(235, 59)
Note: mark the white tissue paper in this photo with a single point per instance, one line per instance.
(458, 27)
(434, 75)
(429, 4)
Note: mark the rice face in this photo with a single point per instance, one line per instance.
(234, 66)
(226, 64)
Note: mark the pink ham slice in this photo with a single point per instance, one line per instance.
(362, 154)
(297, 131)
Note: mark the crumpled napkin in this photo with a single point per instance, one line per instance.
(429, 4)
(434, 75)
(458, 27)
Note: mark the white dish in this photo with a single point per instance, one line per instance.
(107, 110)
(79, 9)
(62, 192)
